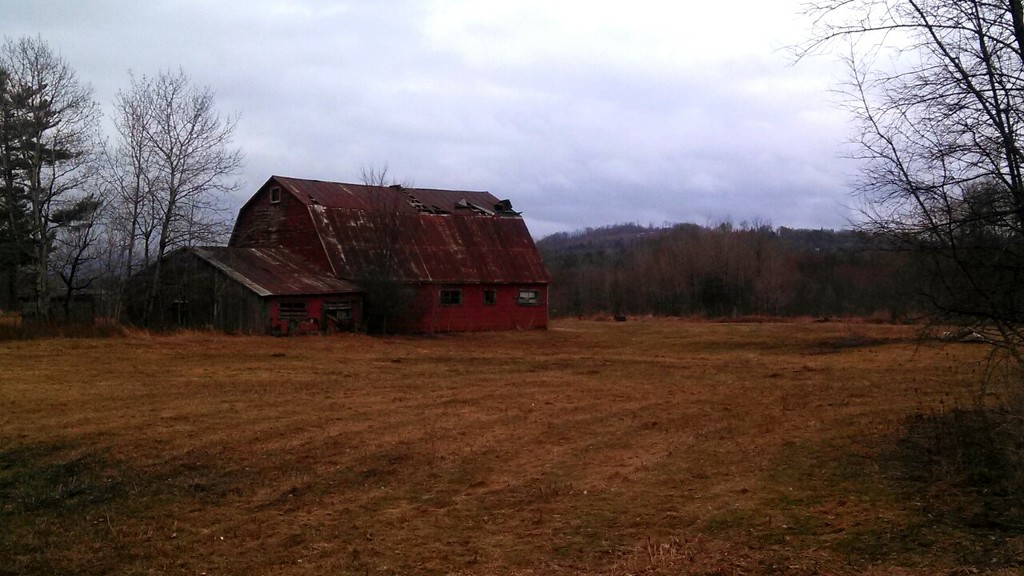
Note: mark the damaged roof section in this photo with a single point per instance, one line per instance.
(407, 200)
(415, 235)
(427, 235)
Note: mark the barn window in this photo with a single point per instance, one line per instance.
(528, 297)
(291, 309)
(490, 297)
(275, 194)
(338, 312)
(452, 297)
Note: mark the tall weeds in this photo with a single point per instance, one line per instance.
(13, 327)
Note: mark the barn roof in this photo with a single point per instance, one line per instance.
(370, 198)
(272, 271)
(440, 236)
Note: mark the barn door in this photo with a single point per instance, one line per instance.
(337, 316)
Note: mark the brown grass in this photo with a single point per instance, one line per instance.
(14, 327)
(650, 447)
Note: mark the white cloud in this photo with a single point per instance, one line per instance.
(583, 113)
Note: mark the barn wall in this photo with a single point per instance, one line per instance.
(473, 314)
(319, 314)
(265, 224)
(194, 294)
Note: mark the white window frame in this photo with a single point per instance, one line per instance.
(528, 297)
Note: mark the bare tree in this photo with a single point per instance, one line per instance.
(173, 164)
(128, 173)
(385, 294)
(130, 211)
(938, 89)
(55, 125)
(77, 251)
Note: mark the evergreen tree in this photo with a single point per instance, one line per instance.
(50, 123)
(14, 228)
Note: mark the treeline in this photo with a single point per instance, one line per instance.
(80, 210)
(725, 270)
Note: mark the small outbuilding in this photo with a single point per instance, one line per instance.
(249, 290)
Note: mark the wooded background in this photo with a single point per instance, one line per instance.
(728, 270)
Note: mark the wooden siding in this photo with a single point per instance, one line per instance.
(194, 294)
(472, 314)
(265, 224)
(316, 318)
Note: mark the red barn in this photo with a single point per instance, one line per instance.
(427, 260)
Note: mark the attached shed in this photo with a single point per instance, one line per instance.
(249, 290)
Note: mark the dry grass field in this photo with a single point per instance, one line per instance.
(647, 447)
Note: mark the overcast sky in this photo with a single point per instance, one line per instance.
(583, 113)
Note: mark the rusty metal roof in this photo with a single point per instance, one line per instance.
(369, 198)
(442, 236)
(273, 271)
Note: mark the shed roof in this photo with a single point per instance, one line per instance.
(273, 271)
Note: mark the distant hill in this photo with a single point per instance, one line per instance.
(616, 236)
(619, 236)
